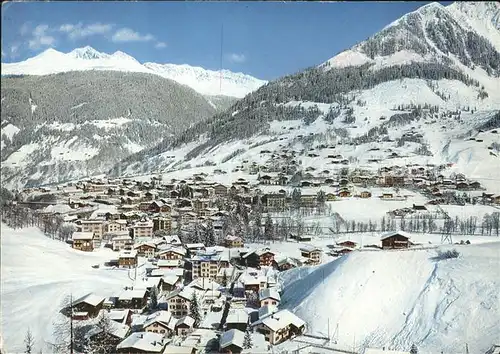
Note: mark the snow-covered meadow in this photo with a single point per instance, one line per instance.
(37, 274)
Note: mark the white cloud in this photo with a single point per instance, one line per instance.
(41, 38)
(236, 58)
(25, 28)
(129, 35)
(77, 31)
(160, 45)
(14, 50)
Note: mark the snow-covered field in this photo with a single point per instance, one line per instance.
(393, 299)
(37, 274)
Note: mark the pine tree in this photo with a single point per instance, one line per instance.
(247, 342)
(269, 228)
(29, 342)
(414, 349)
(195, 310)
(224, 279)
(153, 301)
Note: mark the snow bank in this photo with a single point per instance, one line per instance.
(396, 298)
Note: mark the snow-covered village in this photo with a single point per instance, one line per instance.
(350, 207)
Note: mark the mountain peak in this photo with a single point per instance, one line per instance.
(86, 52)
(121, 55)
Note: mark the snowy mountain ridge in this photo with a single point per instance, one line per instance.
(433, 73)
(206, 82)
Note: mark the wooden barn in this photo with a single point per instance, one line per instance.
(395, 239)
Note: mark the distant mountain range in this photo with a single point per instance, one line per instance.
(206, 82)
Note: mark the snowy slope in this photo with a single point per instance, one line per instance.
(37, 273)
(206, 82)
(395, 299)
(420, 43)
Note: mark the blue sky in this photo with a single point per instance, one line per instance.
(262, 39)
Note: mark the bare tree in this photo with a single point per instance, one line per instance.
(29, 342)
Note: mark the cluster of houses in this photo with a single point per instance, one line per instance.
(235, 290)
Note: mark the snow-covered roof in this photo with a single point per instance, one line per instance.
(281, 319)
(194, 245)
(237, 316)
(148, 283)
(128, 254)
(309, 248)
(145, 341)
(179, 250)
(204, 284)
(90, 299)
(132, 294)
(82, 236)
(267, 310)
(232, 337)
(269, 293)
(168, 263)
(393, 233)
(185, 320)
(121, 238)
(384, 351)
(116, 329)
(176, 349)
(58, 208)
(117, 315)
(163, 317)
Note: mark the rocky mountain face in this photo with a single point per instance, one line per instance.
(434, 72)
(68, 125)
(206, 82)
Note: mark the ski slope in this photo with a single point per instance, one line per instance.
(393, 299)
(37, 274)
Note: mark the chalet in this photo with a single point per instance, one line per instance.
(233, 241)
(237, 319)
(300, 238)
(119, 316)
(168, 263)
(143, 229)
(387, 196)
(266, 257)
(194, 248)
(496, 199)
(231, 341)
(160, 322)
(330, 197)
(184, 325)
(142, 342)
(419, 207)
(83, 241)
(220, 190)
(313, 254)
(280, 326)
(349, 244)
(172, 253)
(162, 223)
(395, 239)
(122, 242)
(179, 302)
(269, 297)
(344, 193)
(287, 263)
(340, 251)
(365, 194)
(87, 306)
(265, 179)
(147, 249)
(132, 299)
(115, 333)
(127, 259)
(172, 240)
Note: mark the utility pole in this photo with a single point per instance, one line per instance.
(71, 324)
